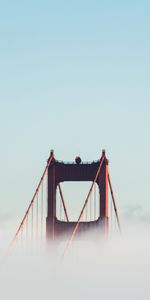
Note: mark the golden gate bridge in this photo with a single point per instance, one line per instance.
(47, 217)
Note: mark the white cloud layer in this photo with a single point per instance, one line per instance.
(116, 269)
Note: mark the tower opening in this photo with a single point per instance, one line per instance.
(74, 196)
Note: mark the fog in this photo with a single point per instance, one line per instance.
(117, 268)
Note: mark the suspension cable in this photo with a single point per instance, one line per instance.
(85, 204)
(114, 203)
(60, 208)
(33, 199)
(63, 202)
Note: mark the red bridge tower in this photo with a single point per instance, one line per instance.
(58, 172)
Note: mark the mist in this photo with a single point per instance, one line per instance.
(116, 268)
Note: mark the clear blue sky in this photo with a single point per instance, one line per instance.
(74, 76)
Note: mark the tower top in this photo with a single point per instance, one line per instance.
(52, 153)
(104, 152)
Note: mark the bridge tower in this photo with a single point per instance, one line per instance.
(58, 172)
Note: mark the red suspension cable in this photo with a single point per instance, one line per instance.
(63, 202)
(33, 199)
(85, 204)
(114, 203)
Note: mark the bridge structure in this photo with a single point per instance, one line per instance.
(41, 220)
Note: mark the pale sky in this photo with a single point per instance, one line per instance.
(74, 77)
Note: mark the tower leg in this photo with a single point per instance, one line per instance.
(103, 186)
(51, 209)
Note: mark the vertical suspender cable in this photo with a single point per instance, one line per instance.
(86, 213)
(91, 207)
(53, 205)
(111, 216)
(95, 202)
(21, 236)
(33, 199)
(37, 215)
(27, 229)
(47, 187)
(41, 210)
(32, 216)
